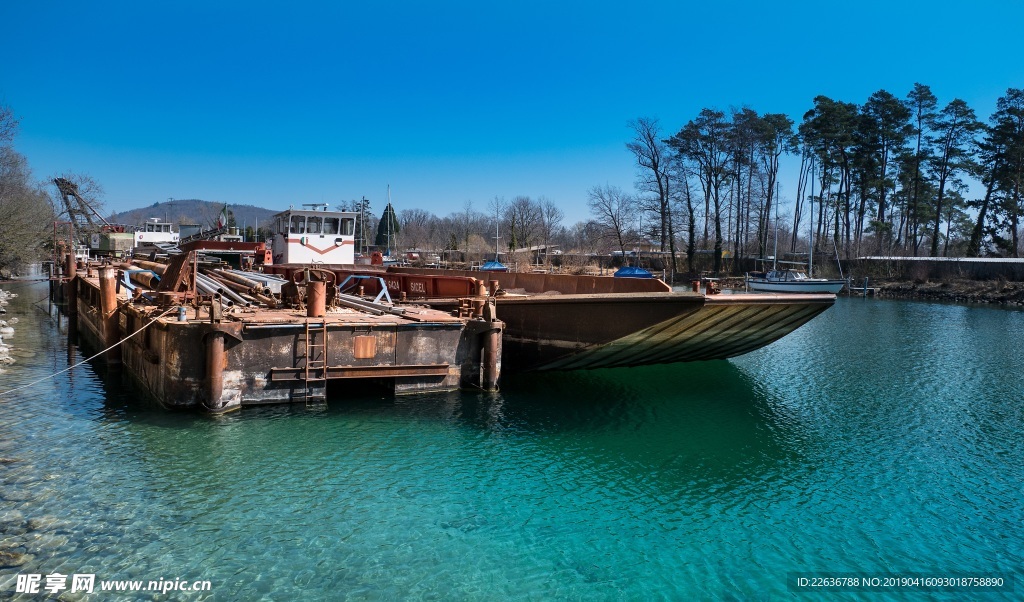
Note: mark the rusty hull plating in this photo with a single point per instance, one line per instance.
(222, 357)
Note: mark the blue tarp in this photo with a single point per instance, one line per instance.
(493, 266)
(633, 272)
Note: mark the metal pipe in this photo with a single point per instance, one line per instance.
(238, 288)
(159, 268)
(240, 280)
(234, 297)
(371, 305)
(316, 299)
(208, 290)
(144, 278)
(353, 305)
(266, 300)
(256, 283)
(219, 287)
(269, 280)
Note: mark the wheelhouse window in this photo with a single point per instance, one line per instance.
(330, 225)
(313, 224)
(298, 224)
(348, 226)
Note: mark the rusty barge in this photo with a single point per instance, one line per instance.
(195, 334)
(190, 346)
(567, 322)
(558, 321)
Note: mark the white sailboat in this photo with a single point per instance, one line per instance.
(793, 281)
(789, 280)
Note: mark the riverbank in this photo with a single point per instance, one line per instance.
(6, 329)
(994, 292)
(987, 292)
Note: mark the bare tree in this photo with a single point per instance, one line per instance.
(550, 220)
(615, 212)
(8, 125)
(522, 217)
(26, 214)
(416, 226)
(652, 158)
(584, 236)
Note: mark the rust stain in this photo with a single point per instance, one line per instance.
(364, 346)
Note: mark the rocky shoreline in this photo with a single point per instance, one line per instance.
(986, 292)
(6, 329)
(992, 292)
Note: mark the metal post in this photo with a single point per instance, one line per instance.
(491, 338)
(215, 360)
(71, 291)
(316, 299)
(108, 314)
(492, 352)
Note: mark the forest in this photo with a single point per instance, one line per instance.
(888, 177)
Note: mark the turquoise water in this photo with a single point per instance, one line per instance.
(882, 437)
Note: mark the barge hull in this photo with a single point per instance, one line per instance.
(269, 356)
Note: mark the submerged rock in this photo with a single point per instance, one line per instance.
(11, 559)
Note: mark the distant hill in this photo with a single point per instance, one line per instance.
(195, 211)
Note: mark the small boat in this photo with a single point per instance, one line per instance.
(792, 281)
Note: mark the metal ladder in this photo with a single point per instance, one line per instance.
(315, 362)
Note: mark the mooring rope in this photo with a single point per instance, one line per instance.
(153, 321)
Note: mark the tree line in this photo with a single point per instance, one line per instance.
(889, 177)
(26, 215)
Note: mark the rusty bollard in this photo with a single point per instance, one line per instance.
(316, 296)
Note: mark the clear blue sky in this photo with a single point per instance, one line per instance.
(279, 103)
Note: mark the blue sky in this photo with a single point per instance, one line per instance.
(275, 105)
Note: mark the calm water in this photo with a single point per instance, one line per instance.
(883, 436)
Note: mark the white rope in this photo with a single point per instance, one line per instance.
(153, 321)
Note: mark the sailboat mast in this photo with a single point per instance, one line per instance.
(810, 234)
(775, 252)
